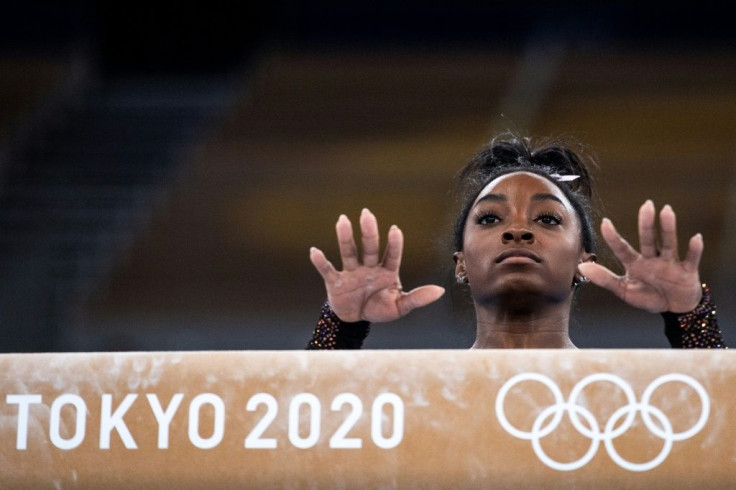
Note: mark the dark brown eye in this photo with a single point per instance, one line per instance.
(487, 219)
(549, 219)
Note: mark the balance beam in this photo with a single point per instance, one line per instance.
(381, 418)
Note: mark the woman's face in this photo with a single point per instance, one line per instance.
(522, 235)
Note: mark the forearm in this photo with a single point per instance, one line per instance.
(696, 329)
(332, 333)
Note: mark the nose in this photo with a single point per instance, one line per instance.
(517, 235)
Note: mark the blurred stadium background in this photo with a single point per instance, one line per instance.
(164, 168)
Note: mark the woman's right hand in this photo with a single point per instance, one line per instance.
(369, 289)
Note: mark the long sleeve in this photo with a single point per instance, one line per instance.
(696, 329)
(332, 333)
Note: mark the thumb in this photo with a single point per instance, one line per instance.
(601, 276)
(418, 297)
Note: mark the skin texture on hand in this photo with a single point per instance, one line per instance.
(368, 288)
(654, 278)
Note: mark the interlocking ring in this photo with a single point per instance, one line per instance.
(592, 431)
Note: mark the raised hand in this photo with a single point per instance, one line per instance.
(369, 289)
(654, 279)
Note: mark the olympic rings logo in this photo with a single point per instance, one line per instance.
(610, 432)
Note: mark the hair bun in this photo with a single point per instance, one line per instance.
(559, 156)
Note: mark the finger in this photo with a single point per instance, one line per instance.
(323, 266)
(418, 297)
(369, 230)
(668, 222)
(694, 253)
(392, 260)
(603, 277)
(647, 230)
(348, 251)
(620, 247)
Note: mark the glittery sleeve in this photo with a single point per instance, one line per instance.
(696, 329)
(332, 333)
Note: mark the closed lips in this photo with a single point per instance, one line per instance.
(517, 253)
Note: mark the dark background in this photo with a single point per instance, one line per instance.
(164, 168)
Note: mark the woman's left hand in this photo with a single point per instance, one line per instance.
(655, 279)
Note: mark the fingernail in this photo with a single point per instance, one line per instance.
(365, 210)
(342, 216)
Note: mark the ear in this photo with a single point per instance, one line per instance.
(459, 263)
(588, 257)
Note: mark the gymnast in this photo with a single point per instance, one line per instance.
(524, 243)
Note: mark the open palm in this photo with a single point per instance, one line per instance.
(369, 289)
(655, 279)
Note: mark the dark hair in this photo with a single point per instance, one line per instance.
(508, 153)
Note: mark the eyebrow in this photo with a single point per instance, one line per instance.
(535, 197)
